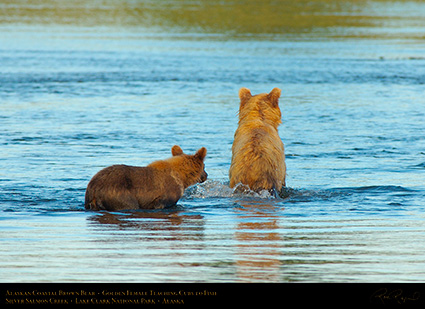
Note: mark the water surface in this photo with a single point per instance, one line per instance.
(84, 86)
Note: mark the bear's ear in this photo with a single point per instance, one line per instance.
(244, 94)
(274, 96)
(201, 153)
(176, 151)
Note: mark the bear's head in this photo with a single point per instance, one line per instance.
(190, 167)
(264, 107)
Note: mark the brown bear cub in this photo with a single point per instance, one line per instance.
(258, 156)
(158, 185)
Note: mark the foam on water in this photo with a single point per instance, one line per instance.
(215, 188)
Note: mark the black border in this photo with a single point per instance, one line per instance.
(229, 294)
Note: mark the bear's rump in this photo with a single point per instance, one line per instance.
(258, 161)
(126, 187)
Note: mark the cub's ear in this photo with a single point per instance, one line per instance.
(176, 151)
(201, 153)
(244, 94)
(274, 96)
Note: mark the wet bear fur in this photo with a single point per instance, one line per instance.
(258, 156)
(158, 185)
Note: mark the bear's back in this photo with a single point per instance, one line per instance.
(131, 187)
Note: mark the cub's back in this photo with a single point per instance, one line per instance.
(117, 184)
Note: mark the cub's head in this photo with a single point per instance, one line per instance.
(190, 167)
(264, 107)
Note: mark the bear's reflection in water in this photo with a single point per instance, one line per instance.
(146, 237)
(147, 220)
(259, 242)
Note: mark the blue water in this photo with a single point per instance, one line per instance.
(75, 99)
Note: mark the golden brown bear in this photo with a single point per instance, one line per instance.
(258, 156)
(160, 184)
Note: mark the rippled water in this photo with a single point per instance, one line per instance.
(77, 97)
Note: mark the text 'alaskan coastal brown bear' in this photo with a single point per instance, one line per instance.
(158, 185)
(258, 156)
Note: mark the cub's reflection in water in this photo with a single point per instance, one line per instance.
(176, 241)
(150, 223)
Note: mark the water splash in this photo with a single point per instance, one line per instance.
(221, 189)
